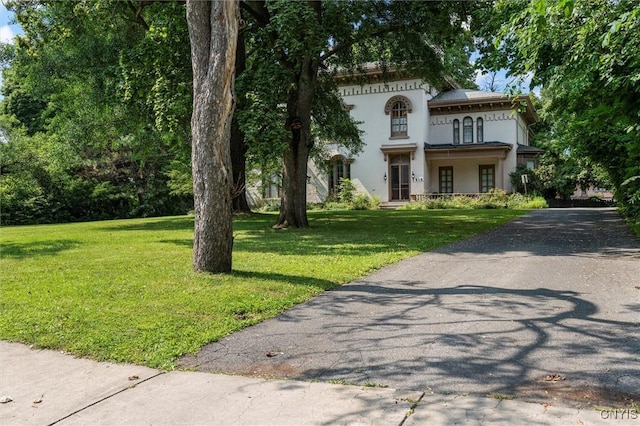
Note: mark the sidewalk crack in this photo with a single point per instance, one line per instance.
(105, 398)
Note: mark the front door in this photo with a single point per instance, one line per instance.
(400, 170)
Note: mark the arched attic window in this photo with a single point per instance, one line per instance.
(398, 107)
(456, 131)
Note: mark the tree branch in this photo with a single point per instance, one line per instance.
(257, 9)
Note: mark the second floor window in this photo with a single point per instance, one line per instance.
(479, 130)
(456, 131)
(399, 119)
(467, 130)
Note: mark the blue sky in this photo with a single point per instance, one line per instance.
(7, 30)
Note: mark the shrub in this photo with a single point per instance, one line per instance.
(269, 205)
(361, 202)
(375, 202)
(346, 191)
(496, 199)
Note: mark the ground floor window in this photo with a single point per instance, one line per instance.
(339, 168)
(446, 180)
(487, 177)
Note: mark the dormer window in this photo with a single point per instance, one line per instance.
(467, 130)
(398, 108)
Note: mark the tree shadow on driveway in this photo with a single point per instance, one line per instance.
(542, 307)
(467, 338)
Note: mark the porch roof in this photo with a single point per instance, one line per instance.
(524, 149)
(468, 146)
(475, 150)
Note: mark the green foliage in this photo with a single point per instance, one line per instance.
(362, 201)
(180, 179)
(533, 185)
(96, 111)
(125, 291)
(494, 199)
(298, 48)
(269, 205)
(109, 84)
(586, 55)
(346, 191)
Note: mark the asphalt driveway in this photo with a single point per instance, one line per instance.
(546, 306)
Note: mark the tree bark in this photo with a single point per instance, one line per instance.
(213, 30)
(293, 206)
(238, 143)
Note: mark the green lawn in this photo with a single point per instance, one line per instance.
(124, 290)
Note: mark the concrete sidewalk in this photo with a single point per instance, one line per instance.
(48, 387)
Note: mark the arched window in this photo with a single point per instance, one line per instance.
(456, 131)
(480, 130)
(467, 130)
(399, 119)
(398, 107)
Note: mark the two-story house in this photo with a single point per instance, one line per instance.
(420, 141)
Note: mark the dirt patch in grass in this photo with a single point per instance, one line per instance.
(563, 393)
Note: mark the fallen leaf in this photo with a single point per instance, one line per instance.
(554, 378)
(38, 400)
(5, 399)
(134, 377)
(270, 354)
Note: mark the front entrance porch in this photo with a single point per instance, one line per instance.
(468, 169)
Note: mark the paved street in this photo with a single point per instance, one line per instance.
(545, 307)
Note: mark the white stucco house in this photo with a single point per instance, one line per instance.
(419, 141)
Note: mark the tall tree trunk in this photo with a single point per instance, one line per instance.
(238, 143)
(213, 30)
(293, 207)
(239, 166)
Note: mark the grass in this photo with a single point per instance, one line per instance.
(125, 291)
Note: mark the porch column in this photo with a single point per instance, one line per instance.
(501, 173)
(427, 175)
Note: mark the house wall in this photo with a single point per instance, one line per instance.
(501, 126)
(466, 174)
(523, 131)
(369, 168)
(498, 126)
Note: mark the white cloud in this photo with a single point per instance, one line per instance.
(6, 34)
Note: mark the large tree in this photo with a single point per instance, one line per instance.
(301, 46)
(586, 54)
(103, 81)
(213, 30)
